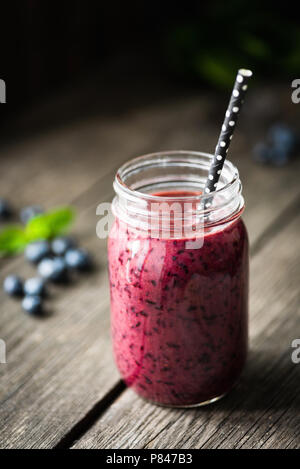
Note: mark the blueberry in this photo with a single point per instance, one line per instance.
(53, 269)
(281, 135)
(60, 269)
(36, 251)
(78, 259)
(5, 210)
(27, 213)
(32, 304)
(61, 244)
(45, 268)
(262, 152)
(34, 287)
(279, 156)
(13, 285)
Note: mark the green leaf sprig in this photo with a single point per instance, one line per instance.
(14, 239)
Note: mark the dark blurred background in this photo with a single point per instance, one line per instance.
(89, 86)
(47, 46)
(70, 60)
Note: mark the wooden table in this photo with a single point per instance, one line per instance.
(60, 387)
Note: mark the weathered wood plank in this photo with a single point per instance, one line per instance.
(59, 368)
(263, 410)
(264, 187)
(268, 191)
(46, 359)
(63, 163)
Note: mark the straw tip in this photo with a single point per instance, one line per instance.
(245, 72)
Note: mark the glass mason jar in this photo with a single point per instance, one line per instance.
(178, 267)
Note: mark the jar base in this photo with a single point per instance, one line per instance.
(188, 406)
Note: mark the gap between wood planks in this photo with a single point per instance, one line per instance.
(81, 427)
(87, 422)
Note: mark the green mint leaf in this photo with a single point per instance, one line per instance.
(37, 228)
(50, 224)
(60, 220)
(12, 240)
(45, 226)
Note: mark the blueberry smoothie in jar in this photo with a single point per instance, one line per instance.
(178, 279)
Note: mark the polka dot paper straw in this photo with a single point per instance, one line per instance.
(231, 116)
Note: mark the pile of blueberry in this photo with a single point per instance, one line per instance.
(279, 146)
(55, 260)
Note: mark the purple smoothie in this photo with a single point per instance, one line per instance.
(179, 316)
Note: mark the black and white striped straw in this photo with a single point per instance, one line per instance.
(231, 117)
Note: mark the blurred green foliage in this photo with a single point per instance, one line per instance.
(228, 35)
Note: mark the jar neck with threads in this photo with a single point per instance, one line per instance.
(161, 194)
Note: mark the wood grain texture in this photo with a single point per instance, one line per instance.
(47, 359)
(60, 368)
(263, 411)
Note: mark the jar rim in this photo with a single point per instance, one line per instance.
(125, 189)
(215, 208)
